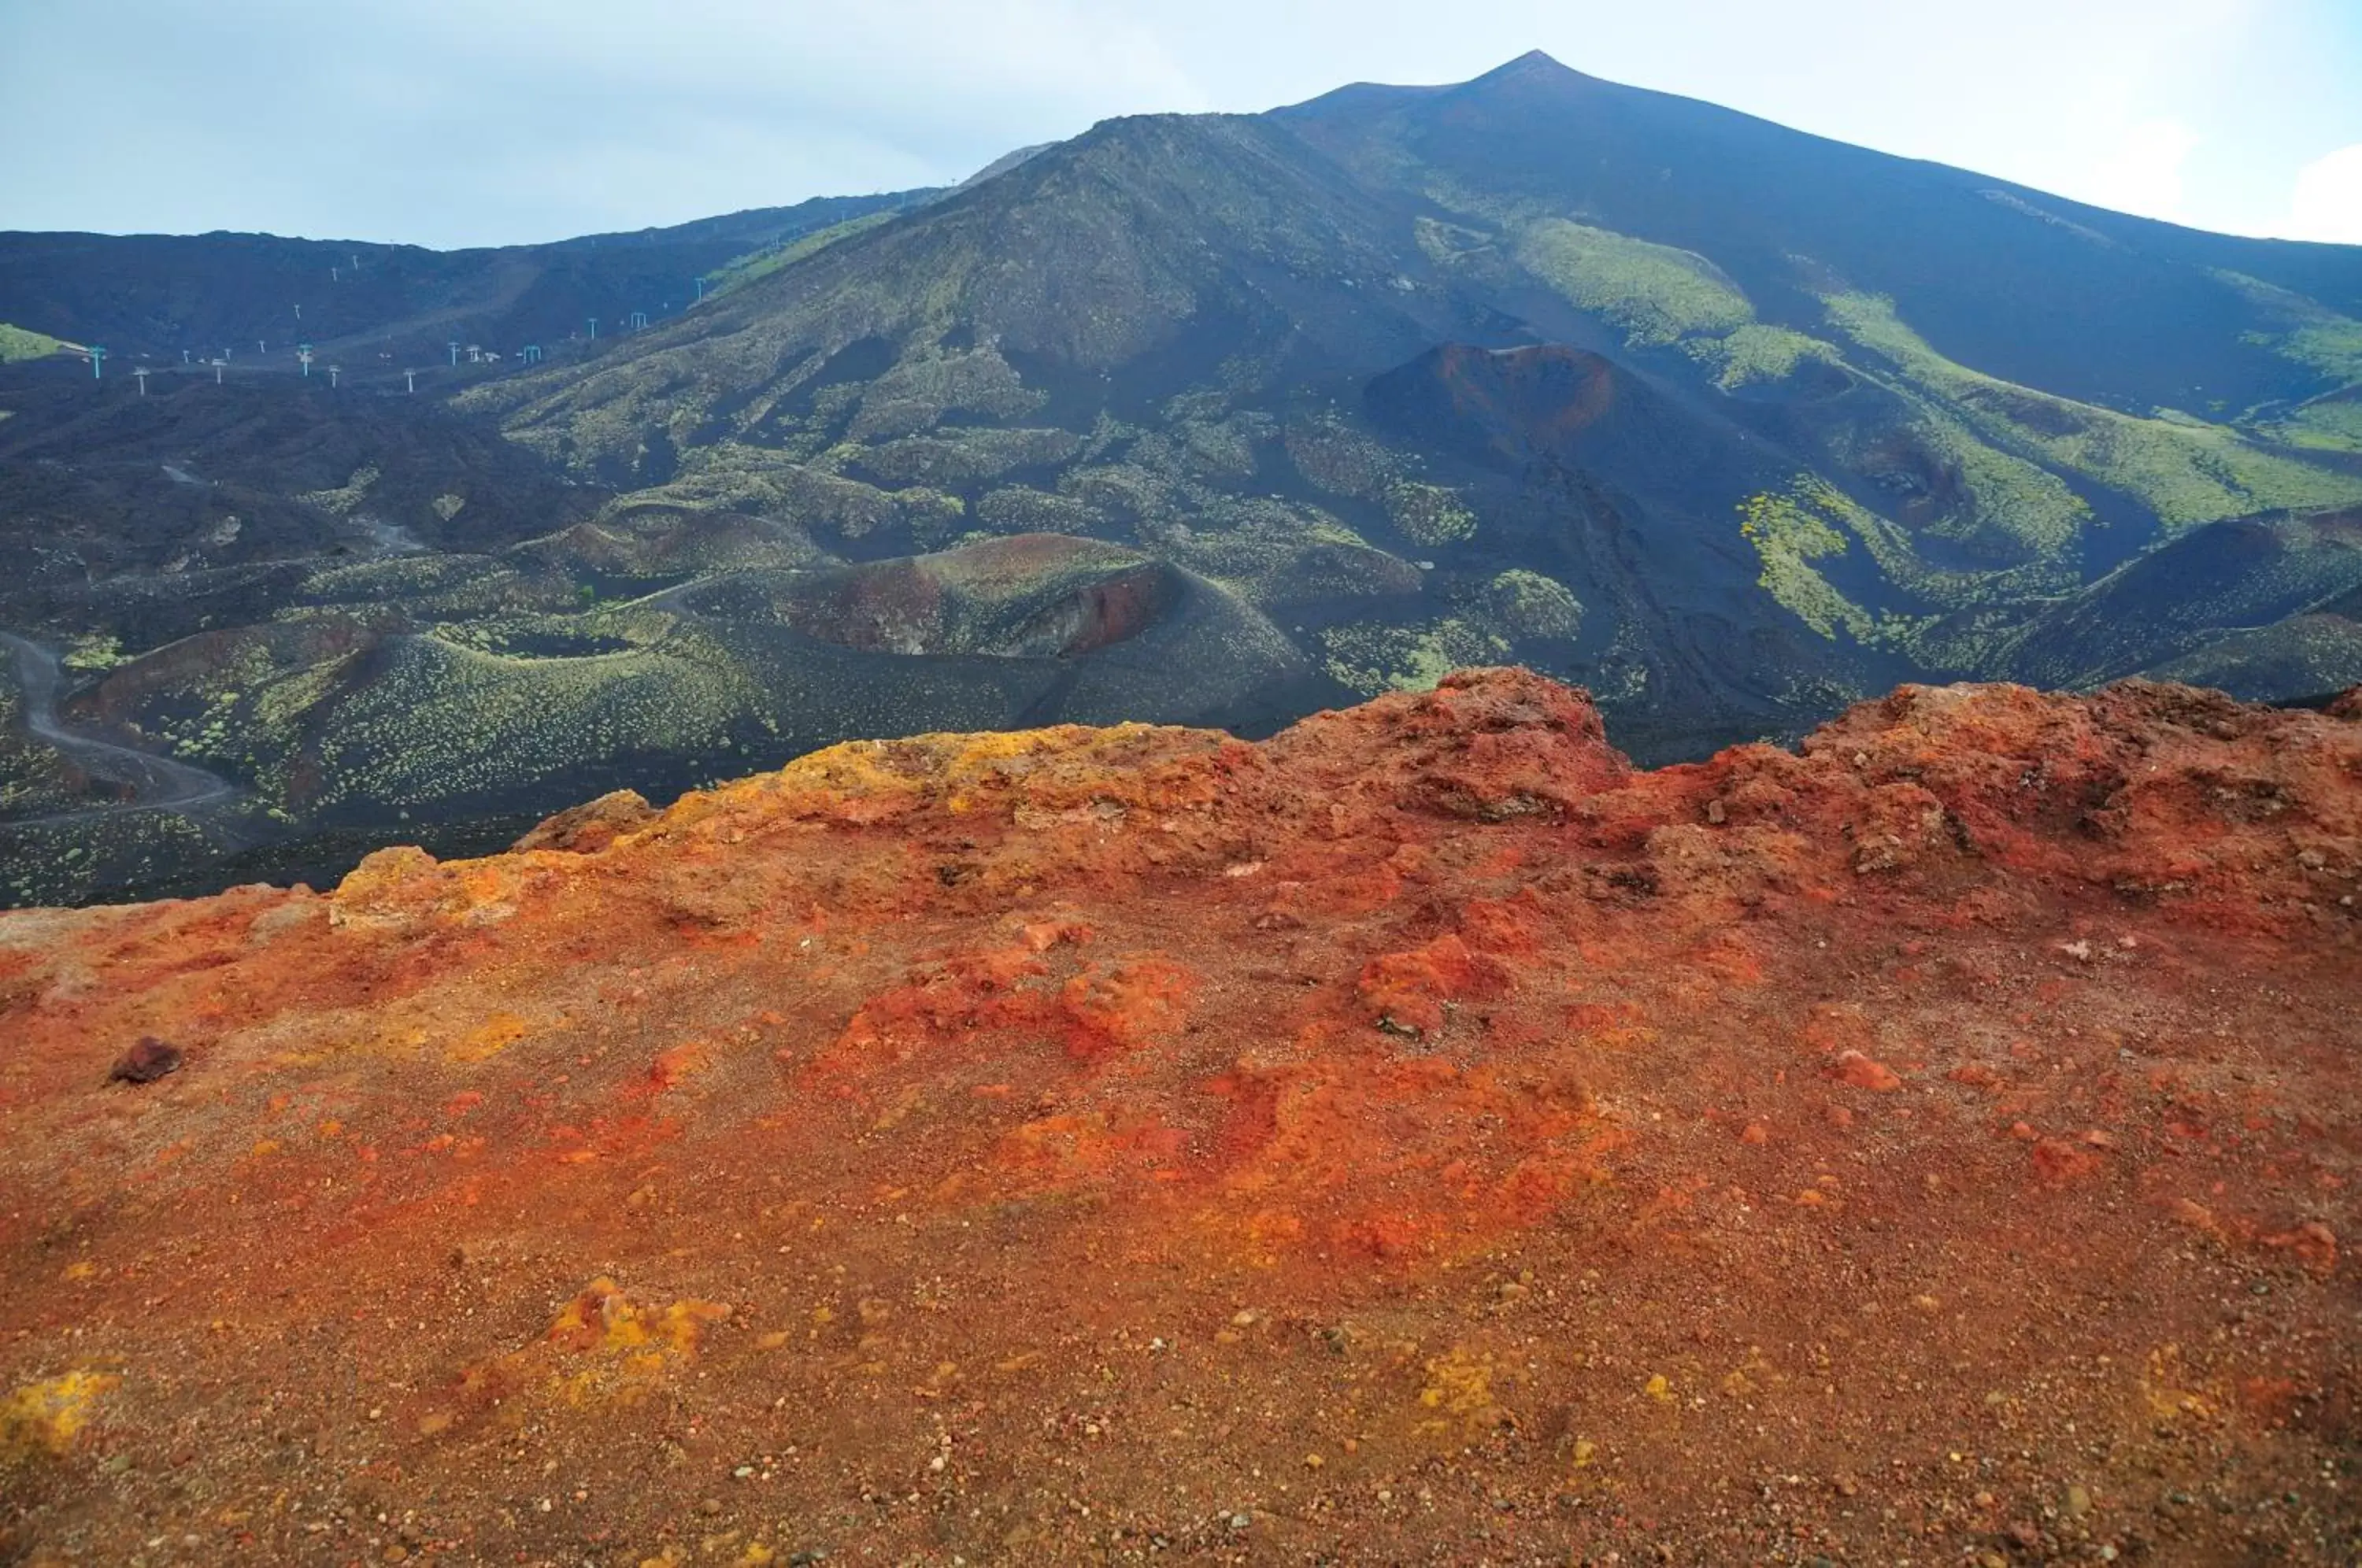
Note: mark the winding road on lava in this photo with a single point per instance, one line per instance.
(156, 783)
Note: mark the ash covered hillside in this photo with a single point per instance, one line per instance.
(1421, 1136)
(1727, 420)
(254, 297)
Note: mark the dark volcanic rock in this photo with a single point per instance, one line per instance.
(146, 1062)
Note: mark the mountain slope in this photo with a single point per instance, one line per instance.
(1730, 423)
(154, 297)
(363, 613)
(1094, 255)
(2237, 576)
(1890, 409)
(2028, 287)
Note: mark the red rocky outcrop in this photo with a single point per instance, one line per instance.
(1035, 1146)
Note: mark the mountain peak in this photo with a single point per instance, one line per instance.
(1534, 68)
(1534, 65)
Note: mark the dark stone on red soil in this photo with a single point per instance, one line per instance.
(146, 1062)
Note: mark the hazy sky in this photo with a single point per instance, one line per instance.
(458, 122)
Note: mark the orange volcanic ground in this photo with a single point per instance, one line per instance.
(1418, 1138)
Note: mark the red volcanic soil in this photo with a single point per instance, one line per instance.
(1548, 393)
(1415, 1139)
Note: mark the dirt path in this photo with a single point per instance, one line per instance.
(155, 782)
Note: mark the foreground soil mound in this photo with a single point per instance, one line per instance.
(1420, 1137)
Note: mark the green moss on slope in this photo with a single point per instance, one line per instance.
(1370, 657)
(1789, 531)
(2320, 427)
(2309, 331)
(1429, 514)
(2185, 470)
(759, 481)
(1990, 501)
(1758, 352)
(924, 386)
(1272, 554)
(346, 498)
(737, 274)
(1339, 459)
(441, 586)
(448, 722)
(1020, 509)
(2008, 496)
(966, 454)
(20, 343)
(1656, 293)
(1528, 604)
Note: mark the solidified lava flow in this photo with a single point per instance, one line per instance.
(1420, 1137)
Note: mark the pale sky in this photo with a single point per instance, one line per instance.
(460, 122)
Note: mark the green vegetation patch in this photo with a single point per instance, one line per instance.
(2332, 345)
(2311, 332)
(936, 517)
(733, 476)
(2185, 470)
(1370, 657)
(1123, 491)
(1273, 555)
(526, 637)
(2326, 427)
(1528, 604)
(435, 586)
(2008, 497)
(448, 722)
(1758, 352)
(21, 343)
(1427, 512)
(85, 859)
(343, 501)
(923, 387)
(1449, 242)
(1018, 509)
(1223, 449)
(1336, 457)
(1656, 293)
(962, 456)
(95, 655)
(736, 274)
(1992, 502)
(1789, 531)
